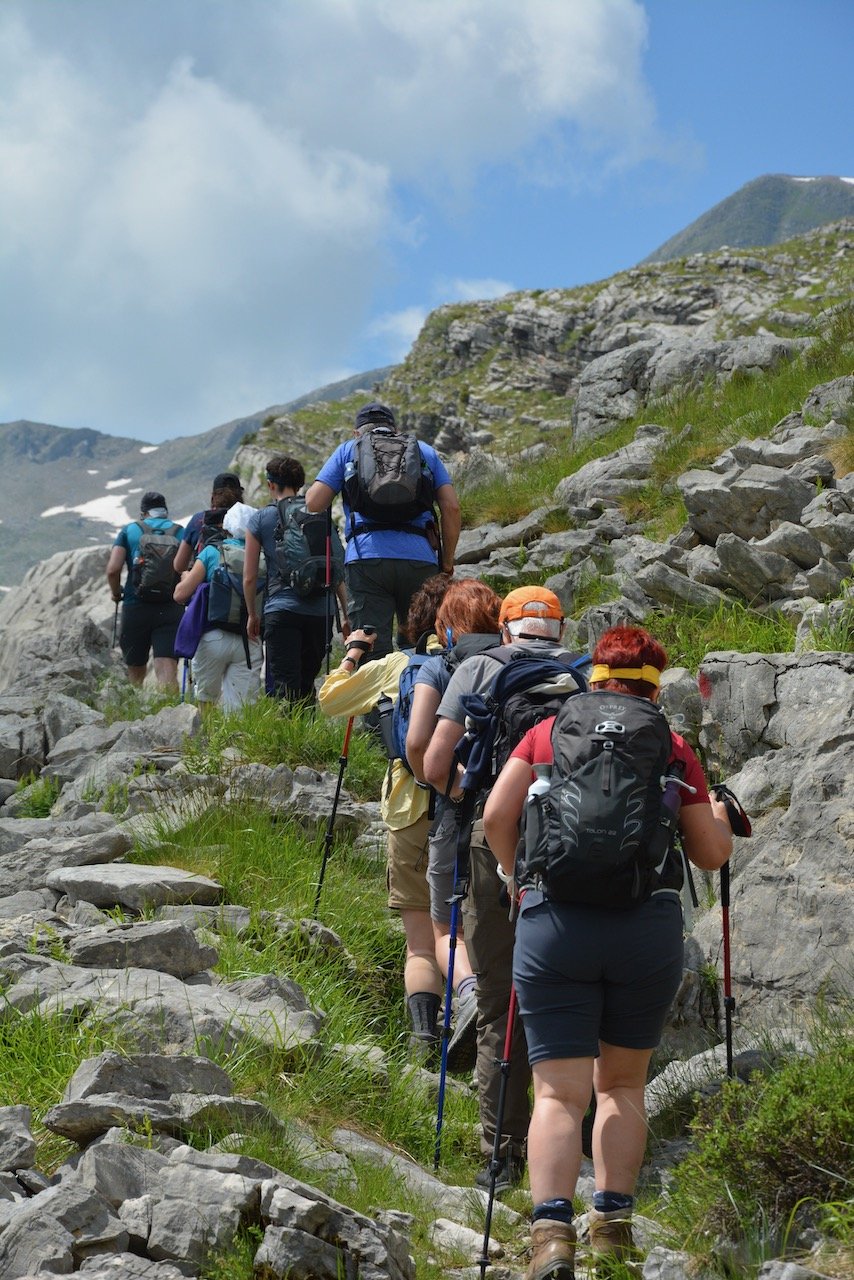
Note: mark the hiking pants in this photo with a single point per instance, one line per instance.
(380, 590)
(295, 645)
(489, 942)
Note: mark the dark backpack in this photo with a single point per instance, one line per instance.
(226, 603)
(388, 482)
(152, 574)
(599, 831)
(529, 688)
(211, 531)
(300, 538)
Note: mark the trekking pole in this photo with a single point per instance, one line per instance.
(729, 1000)
(495, 1162)
(184, 679)
(330, 826)
(115, 624)
(460, 888)
(740, 824)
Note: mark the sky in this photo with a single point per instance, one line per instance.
(212, 206)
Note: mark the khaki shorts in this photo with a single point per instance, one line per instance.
(406, 875)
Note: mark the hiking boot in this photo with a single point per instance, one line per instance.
(552, 1251)
(511, 1170)
(611, 1242)
(462, 1046)
(424, 1015)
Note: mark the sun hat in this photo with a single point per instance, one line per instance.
(530, 602)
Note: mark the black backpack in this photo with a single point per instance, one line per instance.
(388, 482)
(597, 830)
(300, 539)
(152, 574)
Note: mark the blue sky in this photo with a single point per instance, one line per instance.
(211, 206)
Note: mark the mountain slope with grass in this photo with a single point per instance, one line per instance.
(766, 211)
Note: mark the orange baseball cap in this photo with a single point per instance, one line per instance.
(530, 602)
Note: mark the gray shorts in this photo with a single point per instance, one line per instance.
(584, 974)
(442, 859)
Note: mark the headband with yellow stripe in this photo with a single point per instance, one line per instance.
(603, 672)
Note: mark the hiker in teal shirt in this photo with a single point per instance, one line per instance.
(149, 616)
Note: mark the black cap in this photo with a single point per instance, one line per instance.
(227, 480)
(151, 500)
(375, 412)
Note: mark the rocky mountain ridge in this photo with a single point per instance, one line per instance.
(545, 367)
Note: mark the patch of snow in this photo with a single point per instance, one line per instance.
(114, 484)
(851, 180)
(110, 510)
(5, 588)
(92, 473)
(804, 179)
(149, 448)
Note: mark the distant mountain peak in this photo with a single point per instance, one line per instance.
(766, 211)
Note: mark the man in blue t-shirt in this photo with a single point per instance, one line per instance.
(148, 626)
(388, 559)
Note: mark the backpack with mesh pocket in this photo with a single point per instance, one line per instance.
(300, 537)
(388, 482)
(152, 572)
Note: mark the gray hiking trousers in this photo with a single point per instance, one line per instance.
(489, 942)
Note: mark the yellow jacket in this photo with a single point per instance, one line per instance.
(353, 693)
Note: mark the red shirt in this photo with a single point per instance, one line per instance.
(536, 748)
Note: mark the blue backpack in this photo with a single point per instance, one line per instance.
(528, 688)
(399, 715)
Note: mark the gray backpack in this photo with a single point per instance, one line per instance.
(388, 483)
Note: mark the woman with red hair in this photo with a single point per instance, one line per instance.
(594, 985)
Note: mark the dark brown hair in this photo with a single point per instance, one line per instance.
(285, 473)
(423, 607)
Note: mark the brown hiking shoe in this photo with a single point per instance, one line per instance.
(552, 1251)
(611, 1242)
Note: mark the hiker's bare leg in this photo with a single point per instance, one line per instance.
(619, 1130)
(561, 1096)
(166, 674)
(462, 965)
(421, 972)
(136, 675)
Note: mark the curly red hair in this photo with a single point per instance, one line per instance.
(629, 647)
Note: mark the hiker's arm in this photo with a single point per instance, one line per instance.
(422, 723)
(319, 497)
(504, 809)
(251, 557)
(183, 556)
(451, 516)
(115, 564)
(706, 834)
(353, 690)
(186, 588)
(439, 757)
(341, 594)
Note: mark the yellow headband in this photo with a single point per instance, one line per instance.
(602, 672)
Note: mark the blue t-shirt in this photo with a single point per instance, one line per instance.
(129, 537)
(389, 544)
(263, 524)
(193, 529)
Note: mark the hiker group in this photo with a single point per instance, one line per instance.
(541, 815)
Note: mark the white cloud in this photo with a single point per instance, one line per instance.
(398, 330)
(197, 200)
(472, 290)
